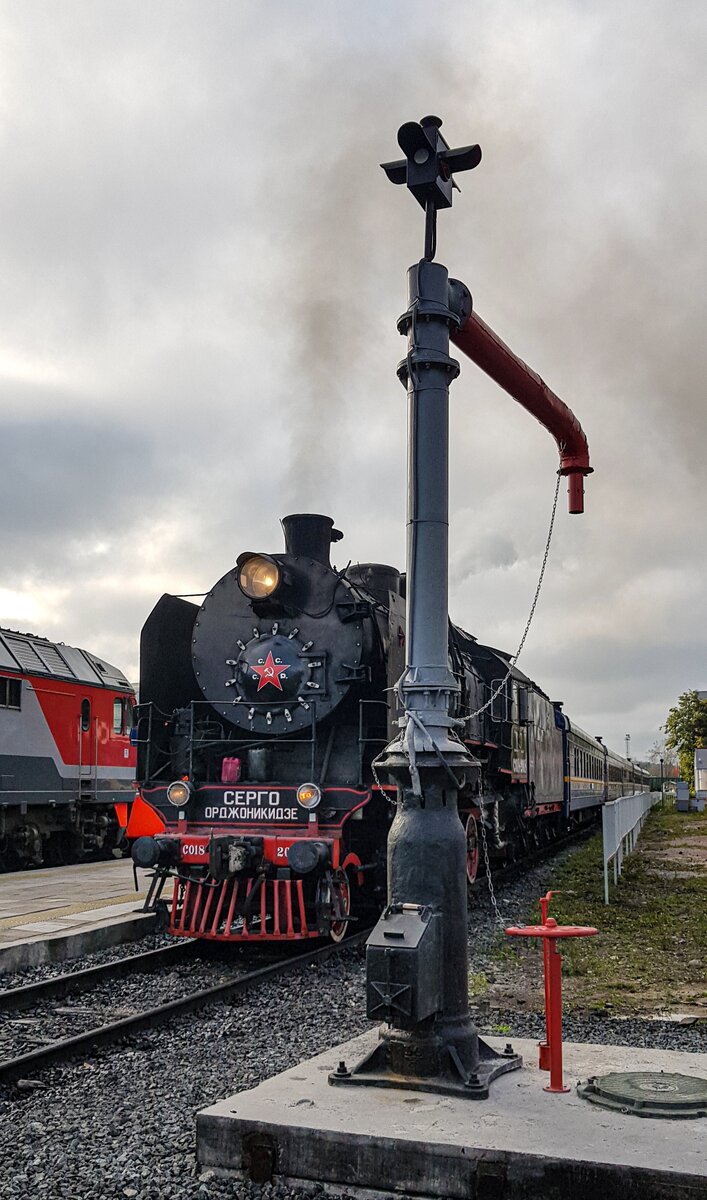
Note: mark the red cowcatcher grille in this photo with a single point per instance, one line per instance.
(209, 909)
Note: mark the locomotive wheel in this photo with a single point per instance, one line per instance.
(472, 848)
(340, 895)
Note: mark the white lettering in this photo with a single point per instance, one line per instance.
(251, 797)
(260, 805)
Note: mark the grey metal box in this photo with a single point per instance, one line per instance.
(403, 965)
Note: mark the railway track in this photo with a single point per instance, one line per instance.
(59, 986)
(22, 1066)
(21, 999)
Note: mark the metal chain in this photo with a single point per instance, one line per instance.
(487, 865)
(502, 684)
(378, 783)
(497, 691)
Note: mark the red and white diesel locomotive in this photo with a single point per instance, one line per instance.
(67, 766)
(262, 712)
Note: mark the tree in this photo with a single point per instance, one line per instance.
(658, 750)
(685, 730)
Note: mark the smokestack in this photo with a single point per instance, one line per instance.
(310, 535)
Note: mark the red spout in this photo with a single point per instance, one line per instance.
(485, 348)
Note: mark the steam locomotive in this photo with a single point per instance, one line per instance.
(262, 712)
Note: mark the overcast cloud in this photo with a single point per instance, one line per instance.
(201, 265)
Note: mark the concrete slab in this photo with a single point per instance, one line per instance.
(58, 913)
(60, 945)
(42, 926)
(521, 1144)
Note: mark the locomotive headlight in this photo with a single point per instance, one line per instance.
(179, 793)
(258, 576)
(308, 795)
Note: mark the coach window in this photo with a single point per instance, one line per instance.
(85, 715)
(117, 715)
(10, 693)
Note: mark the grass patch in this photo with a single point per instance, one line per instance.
(478, 983)
(652, 947)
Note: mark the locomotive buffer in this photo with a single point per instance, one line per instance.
(417, 968)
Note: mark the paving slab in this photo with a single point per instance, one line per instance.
(520, 1144)
(58, 913)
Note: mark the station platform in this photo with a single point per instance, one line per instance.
(520, 1144)
(58, 913)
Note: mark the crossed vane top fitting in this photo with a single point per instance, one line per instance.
(428, 170)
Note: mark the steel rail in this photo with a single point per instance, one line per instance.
(103, 1035)
(55, 988)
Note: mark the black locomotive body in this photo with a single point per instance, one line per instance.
(261, 715)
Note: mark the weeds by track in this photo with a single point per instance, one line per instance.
(513, 871)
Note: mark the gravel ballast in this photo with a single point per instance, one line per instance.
(151, 941)
(109, 1001)
(122, 1123)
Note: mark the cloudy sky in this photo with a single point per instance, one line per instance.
(201, 265)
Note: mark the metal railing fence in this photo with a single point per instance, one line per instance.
(621, 823)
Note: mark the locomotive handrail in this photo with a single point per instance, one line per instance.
(145, 711)
(262, 741)
(197, 742)
(364, 741)
(484, 347)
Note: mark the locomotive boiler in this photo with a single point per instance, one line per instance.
(262, 712)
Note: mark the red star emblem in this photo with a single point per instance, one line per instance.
(269, 672)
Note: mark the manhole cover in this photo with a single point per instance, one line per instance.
(648, 1093)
